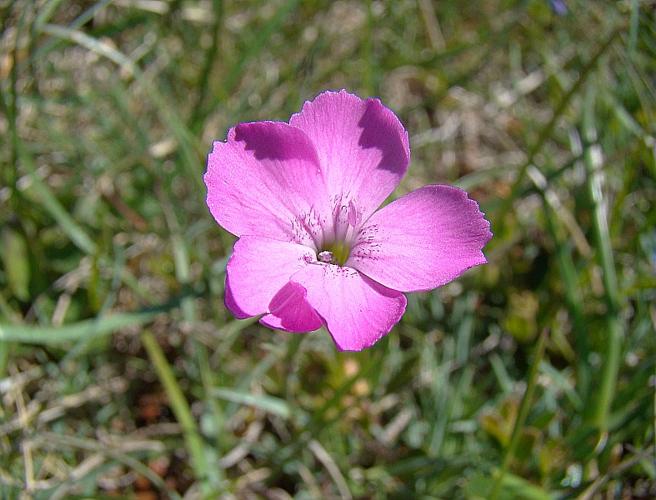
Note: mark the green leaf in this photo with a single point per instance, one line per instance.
(15, 260)
(103, 325)
(512, 487)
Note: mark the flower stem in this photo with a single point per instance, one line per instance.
(521, 414)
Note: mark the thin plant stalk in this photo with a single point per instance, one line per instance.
(613, 324)
(181, 410)
(524, 408)
(567, 271)
(547, 130)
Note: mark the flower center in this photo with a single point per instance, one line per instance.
(335, 253)
(331, 235)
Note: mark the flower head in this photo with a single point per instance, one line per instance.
(314, 247)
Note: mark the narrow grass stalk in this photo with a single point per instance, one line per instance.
(181, 410)
(634, 26)
(10, 110)
(259, 41)
(188, 145)
(183, 276)
(614, 328)
(522, 413)
(547, 130)
(368, 52)
(573, 301)
(42, 192)
(200, 111)
(567, 271)
(321, 417)
(4, 358)
(60, 441)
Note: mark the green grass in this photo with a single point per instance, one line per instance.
(121, 372)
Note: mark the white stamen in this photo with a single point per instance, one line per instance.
(325, 256)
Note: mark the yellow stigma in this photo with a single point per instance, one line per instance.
(340, 251)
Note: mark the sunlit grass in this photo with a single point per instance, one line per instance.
(121, 371)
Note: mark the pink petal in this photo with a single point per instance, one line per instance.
(290, 311)
(266, 181)
(258, 269)
(356, 310)
(422, 240)
(362, 147)
(229, 301)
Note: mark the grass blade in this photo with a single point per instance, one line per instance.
(191, 155)
(42, 195)
(181, 409)
(547, 130)
(269, 404)
(104, 325)
(524, 408)
(614, 327)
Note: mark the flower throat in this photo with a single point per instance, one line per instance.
(335, 253)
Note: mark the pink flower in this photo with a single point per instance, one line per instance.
(314, 248)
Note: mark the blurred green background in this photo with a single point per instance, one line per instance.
(122, 374)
